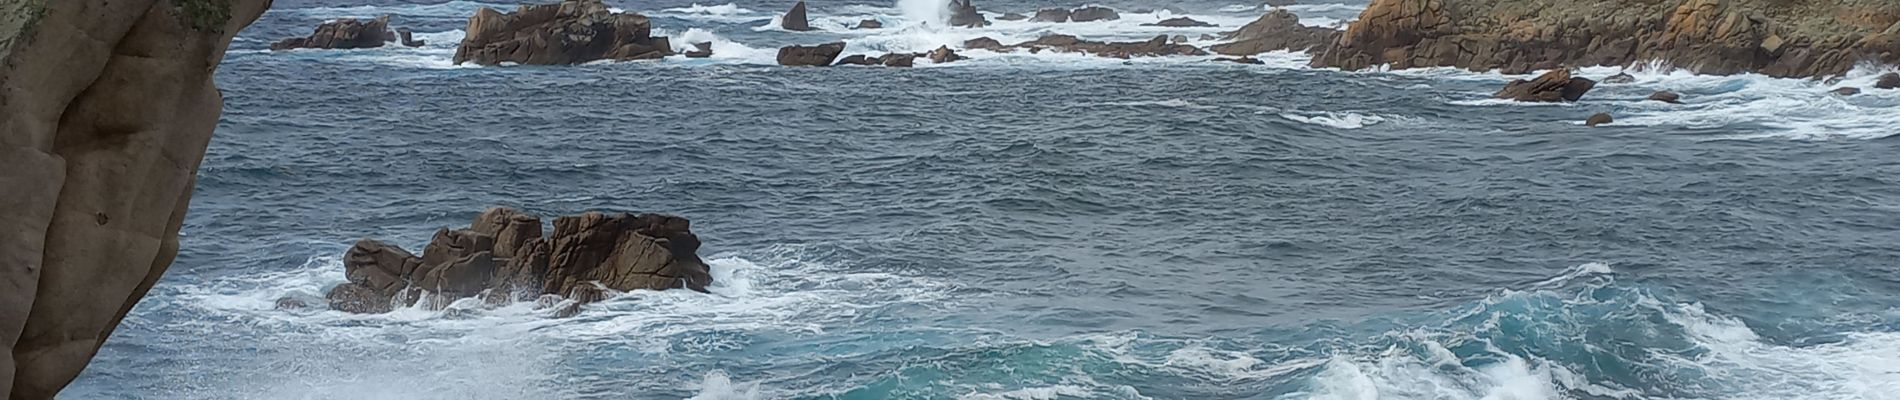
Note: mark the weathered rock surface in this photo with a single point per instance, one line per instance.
(796, 20)
(569, 32)
(700, 50)
(858, 59)
(1180, 22)
(870, 24)
(345, 33)
(1277, 30)
(943, 54)
(1554, 86)
(1157, 47)
(503, 257)
(903, 60)
(1887, 81)
(964, 15)
(106, 107)
(815, 56)
(1598, 119)
(1093, 13)
(1783, 38)
(1666, 97)
(1051, 15)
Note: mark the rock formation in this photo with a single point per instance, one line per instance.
(899, 60)
(1277, 30)
(964, 15)
(409, 38)
(1619, 78)
(1157, 47)
(870, 24)
(1051, 15)
(503, 257)
(795, 20)
(346, 33)
(569, 32)
(1666, 97)
(1554, 86)
(858, 59)
(943, 54)
(1888, 81)
(1242, 60)
(1013, 17)
(1180, 22)
(1598, 119)
(700, 50)
(106, 107)
(815, 56)
(1780, 38)
(1093, 13)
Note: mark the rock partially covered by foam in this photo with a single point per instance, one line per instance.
(1156, 47)
(569, 32)
(1554, 86)
(1277, 30)
(503, 256)
(810, 56)
(345, 33)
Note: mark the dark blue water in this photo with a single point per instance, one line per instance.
(1037, 227)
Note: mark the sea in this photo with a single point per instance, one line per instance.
(1036, 226)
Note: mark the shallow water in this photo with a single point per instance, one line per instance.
(1037, 227)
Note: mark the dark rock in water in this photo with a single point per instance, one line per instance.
(858, 59)
(1280, 3)
(1598, 119)
(1156, 47)
(870, 24)
(903, 60)
(1093, 13)
(1556, 85)
(585, 252)
(1666, 97)
(1242, 60)
(1889, 80)
(1277, 30)
(985, 43)
(1051, 15)
(795, 20)
(1178, 39)
(1845, 91)
(1180, 22)
(408, 38)
(1209, 36)
(569, 32)
(943, 54)
(816, 56)
(1013, 17)
(700, 50)
(964, 15)
(1619, 78)
(291, 303)
(345, 33)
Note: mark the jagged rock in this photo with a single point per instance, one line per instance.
(1888, 81)
(985, 43)
(354, 298)
(1093, 13)
(1845, 91)
(1013, 17)
(1180, 22)
(569, 32)
(816, 56)
(870, 24)
(1276, 30)
(858, 59)
(1598, 119)
(700, 50)
(943, 54)
(1619, 78)
(1157, 47)
(345, 33)
(1772, 37)
(1242, 60)
(1051, 15)
(1666, 97)
(795, 20)
(1556, 85)
(409, 39)
(964, 15)
(905, 60)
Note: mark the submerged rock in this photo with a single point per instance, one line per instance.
(1051, 15)
(1013, 17)
(344, 33)
(964, 15)
(1093, 13)
(1277, 30)
(1556, 85)
(1619, 78)
(1180, 22)
(796, 20)
(1666, 97)
(700, 50)
(581, 255)
(1598, 119)
(1241, 60)
(1889, 80)
(870, 24)
(569, 32)
(1845, 91)
(816, 56)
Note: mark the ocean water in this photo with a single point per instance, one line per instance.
(1037, 226)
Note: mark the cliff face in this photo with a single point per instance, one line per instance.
(106, 107)
(1790, 38)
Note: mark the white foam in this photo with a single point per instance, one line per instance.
(723, 13)
(718, 386)
(724, 50)
(1800, 109)
(1341, 120)
(1035, 393)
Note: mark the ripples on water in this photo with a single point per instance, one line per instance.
(1038, 227)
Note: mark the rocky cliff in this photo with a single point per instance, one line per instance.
(1788, 38)
(106, 107)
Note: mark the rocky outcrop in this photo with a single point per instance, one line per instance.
(1181, 22)
(812, 56)
(1013, 17)
(700, 50)
(569, 32)
(106, 107)
(1554, 86)
(1051, 15)
(346, 33)
(409, 38)
(943, 54)
(796, 20)
(1598, 119)
(870, 24)
(1277, 30)
(1783, 38)
(503, 257)
(964, 15)
(1157, 47)
(1093, 13)
(1619, 78)
(1242, 60)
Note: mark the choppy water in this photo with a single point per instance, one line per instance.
(1038, 227)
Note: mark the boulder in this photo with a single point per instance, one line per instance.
(1274, 31)
(795, 20)
(1013, 17)
(1619, 78)
(409, 39)
(1845, 91)
(105, 115)
(345, 33)
(1598, 119)
(700, 50)
(1556, 85)
(354, 298)
(858, 59)
(943, 54)
(904, 60)
(964, 15)
(1180, 22)
(1888, 81)
(1051, 15)
(569, 32)
(815, 56)
(870, 24)
(985, 43)
(1666, 97)
(1093, 13)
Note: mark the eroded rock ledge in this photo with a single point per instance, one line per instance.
(503, 256)
(1780, 38)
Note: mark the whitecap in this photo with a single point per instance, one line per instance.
(1336, 119)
